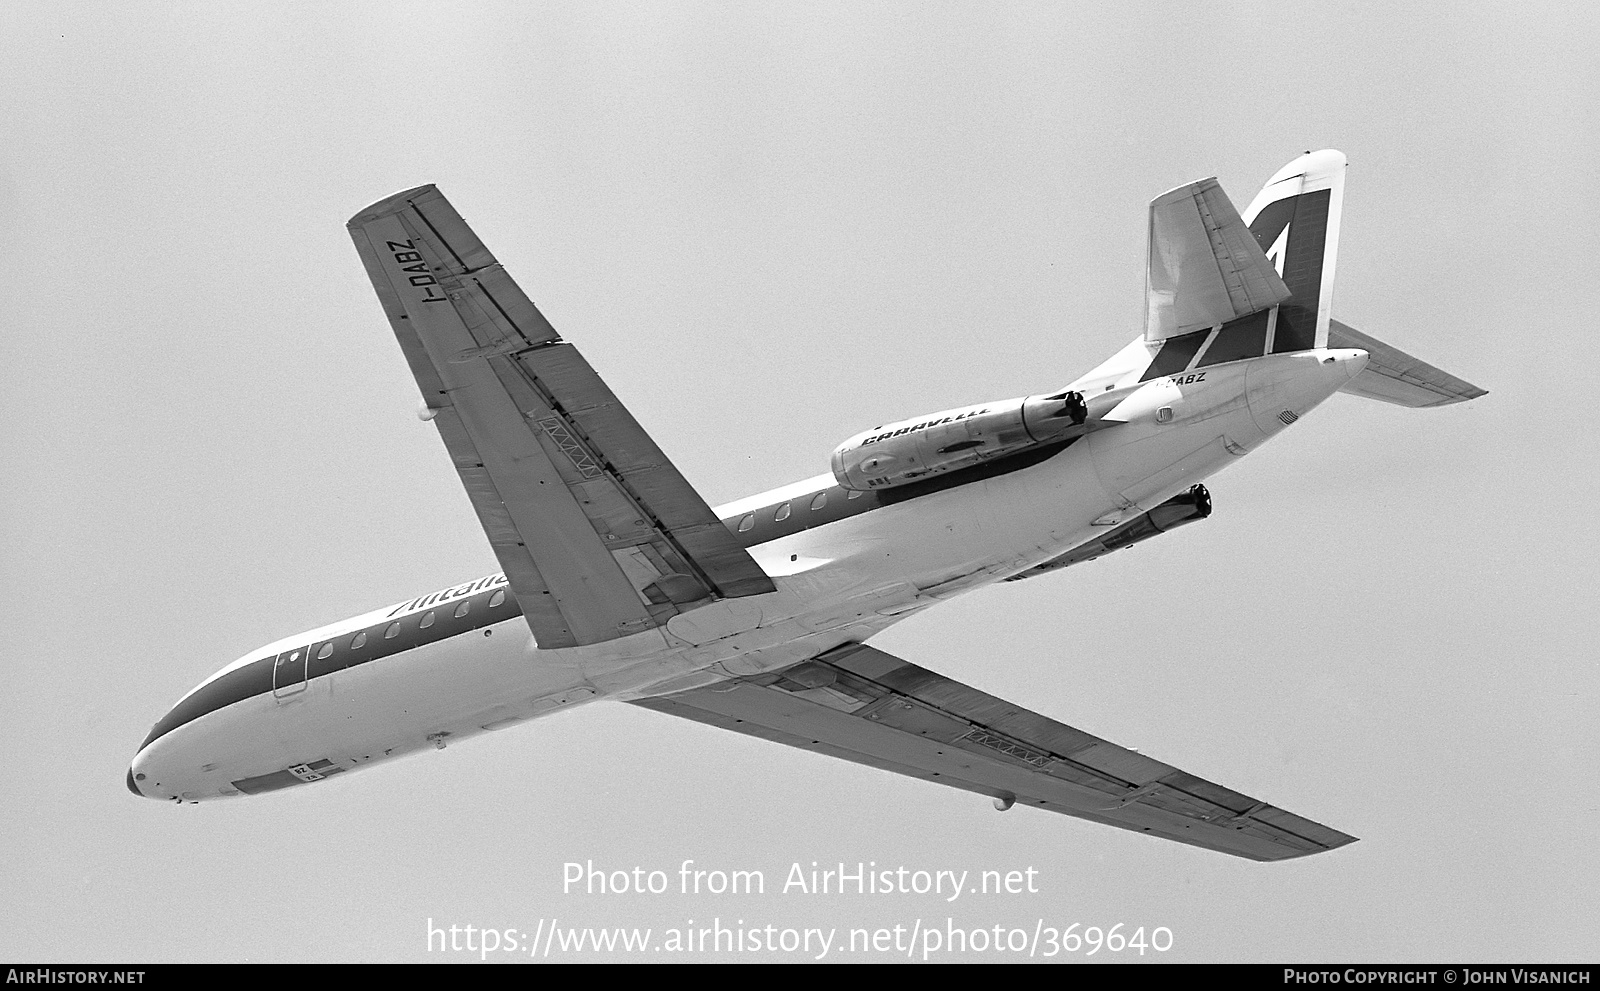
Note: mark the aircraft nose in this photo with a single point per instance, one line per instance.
(136, 778)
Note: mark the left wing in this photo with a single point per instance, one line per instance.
(873, 708)
(599, 535)
(1204, 266)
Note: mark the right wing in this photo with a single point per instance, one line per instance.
(873, 708)
(1392, 376)
(599, 535)
(1204, 266)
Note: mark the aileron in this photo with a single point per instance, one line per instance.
(587, 515)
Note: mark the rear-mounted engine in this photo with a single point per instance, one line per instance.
(1181, 510)
(902, 452)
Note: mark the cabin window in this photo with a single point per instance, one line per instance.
(820, 501)
(499, 597)
(327, 649)
(360, 641)
(392, 631)
(782, 513)
(463, 609)
(427, 620)
(747, 522)
(855, 494)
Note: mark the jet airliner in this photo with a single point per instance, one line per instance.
(618, 582)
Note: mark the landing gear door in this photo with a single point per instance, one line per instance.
(289, 673)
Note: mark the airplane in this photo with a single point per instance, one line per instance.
(619, 582)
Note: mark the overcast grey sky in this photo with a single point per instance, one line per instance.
(770, 226)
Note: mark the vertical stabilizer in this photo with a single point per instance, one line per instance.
(1204, 268)
(1295, 219)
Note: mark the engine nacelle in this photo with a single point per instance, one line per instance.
(1181, 509)
(897, 453)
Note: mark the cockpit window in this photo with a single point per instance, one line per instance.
(392, 631)
(462, 609)
(498, 598)
(327, 649)
(427, 620)
(359, 641)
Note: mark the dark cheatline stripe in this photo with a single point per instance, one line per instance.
(133, 785)
(255, 678)
(1175, 354)
(838, 505)
(977, 473)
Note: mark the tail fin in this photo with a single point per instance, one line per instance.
(1203, 266)
(1295, 219)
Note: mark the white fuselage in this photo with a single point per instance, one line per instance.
(842, 581)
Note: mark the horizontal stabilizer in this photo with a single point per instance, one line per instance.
(1204, 265)
(1392, 376)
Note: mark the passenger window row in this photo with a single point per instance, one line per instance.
(784, 511)
(446, 620)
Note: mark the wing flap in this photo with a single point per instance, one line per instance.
(872, 708)
(1204, 266)
(600, 536)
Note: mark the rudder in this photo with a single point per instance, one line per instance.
(1295, 219)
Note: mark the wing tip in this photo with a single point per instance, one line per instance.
(1328, 845)
(389, 203)
(1466, 395)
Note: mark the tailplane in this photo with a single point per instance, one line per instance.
(1295, 219)
(1214, 297)
(1392, 376)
